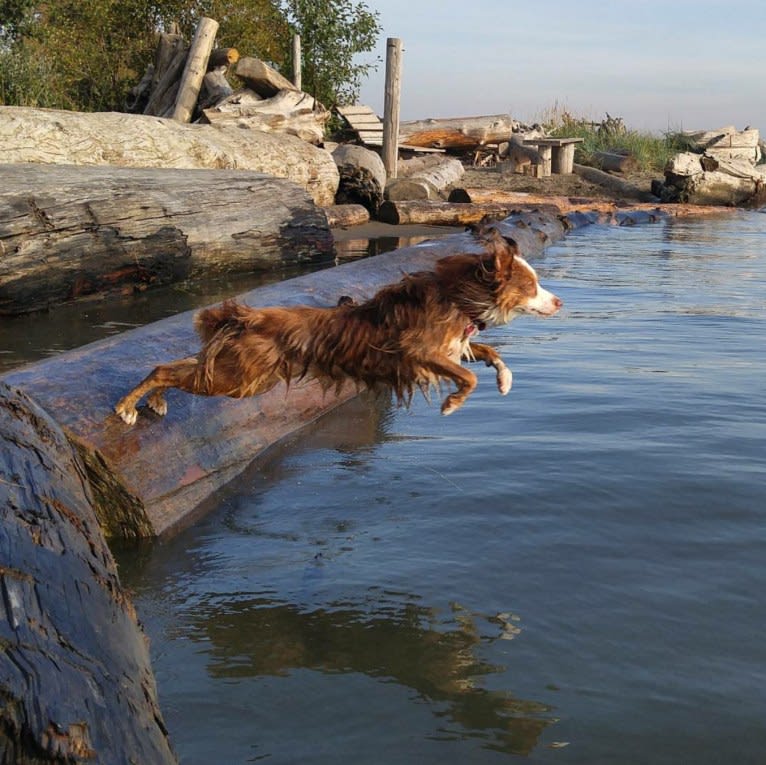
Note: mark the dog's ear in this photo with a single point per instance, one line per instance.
(501, 250)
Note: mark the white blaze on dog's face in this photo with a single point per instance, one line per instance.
(534, 299)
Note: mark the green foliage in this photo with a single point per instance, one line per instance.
(610, 135)
(333, 33)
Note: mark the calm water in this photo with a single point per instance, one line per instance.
(572, 574)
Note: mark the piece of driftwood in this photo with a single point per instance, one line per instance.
(108, 138)
(362, 176)
(171, 464)
(343, 216)
(288, 111)
(215, 88)
(75, 676)
(194, 70)
(427, 180)
(439, 213)
(614, 184)
(222, 57)
(72, 232)
(260, 77)
(170, 59)
(727, 143)
(611, 162)
(459, 133)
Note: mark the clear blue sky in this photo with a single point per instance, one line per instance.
(673, 64)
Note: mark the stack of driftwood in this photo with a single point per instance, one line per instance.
(190, 83)
(721, 167)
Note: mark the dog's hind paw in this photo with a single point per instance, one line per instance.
(451, 404)
(504, 380)
(158, 405)
(128, 415)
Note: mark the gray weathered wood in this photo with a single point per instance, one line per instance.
(194, 69)
(426, 182)
(614, 163)
(215, 88)
(260, 77)
(75, 677)
(67, 232)
(107, 138)
(297, 65)
(391, 105)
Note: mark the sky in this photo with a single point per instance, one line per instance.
(661, 66)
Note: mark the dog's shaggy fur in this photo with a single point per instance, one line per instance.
(412, 334)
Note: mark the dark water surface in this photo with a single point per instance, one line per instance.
(572, 574)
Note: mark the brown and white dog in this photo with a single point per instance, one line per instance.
(410, 334)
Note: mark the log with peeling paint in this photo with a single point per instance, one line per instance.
(68, 233)
(49, 136)
(75, 676)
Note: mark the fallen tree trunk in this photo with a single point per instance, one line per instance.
(610, 162)
(340, 216)
(615, 185)
(194, 69)
(167, 466)
(460, 133)
(362, 176)
(72, 232)
(49, 136)
(426, 181)
(441, 213)
(288, 111)
(75, 677)
(260, 77)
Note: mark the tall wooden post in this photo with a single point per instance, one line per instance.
(297, 62)
(194, 71)
(391, 105)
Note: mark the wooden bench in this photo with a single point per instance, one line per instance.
(368, 127)
(557, 154)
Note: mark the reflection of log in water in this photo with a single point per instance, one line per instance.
(402, 640)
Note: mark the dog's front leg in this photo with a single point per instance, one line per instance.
(491, 358)
(443, 367)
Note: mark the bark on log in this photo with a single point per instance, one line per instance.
(427, 183)
(262, 78)
(614, 163)
(289, 111)
(172, 464)
(460, 133)
(107, 138)
(343, 216)
(75, 677)
(194, 69)
(70, 232)
(362, 176)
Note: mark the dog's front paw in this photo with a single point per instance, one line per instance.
(129, 415)
(504, 380)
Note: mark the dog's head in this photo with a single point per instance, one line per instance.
(516, 287)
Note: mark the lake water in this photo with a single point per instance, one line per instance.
(572, 574)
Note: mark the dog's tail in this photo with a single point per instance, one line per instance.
(210, 321)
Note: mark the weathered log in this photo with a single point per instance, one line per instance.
(262, 78)
(426, 183)
(138, 96)
(107, 138)
(225, 57)
(75, 677)
(438, 213)
(614, 184)
(194, 69)
(170, 61)
(362, 176)
(71, 232)
(345, 215)
(462, 133)
(611, 162)
(289, 111)
(171, 464)
(215, 88)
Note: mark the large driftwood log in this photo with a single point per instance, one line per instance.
(289, 111)
(194, 69)
(437, 213)
(69, 232)
(727, 143)
(362, 176)
(262, 78)
(461, 133)
(169, 64)
(107, 138)
(615, 185)
(171, 464)
(427, 180)
(610, 162)
(75, 677)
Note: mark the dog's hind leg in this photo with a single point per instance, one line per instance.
(464, 379)
(491, 358)
(177, 374)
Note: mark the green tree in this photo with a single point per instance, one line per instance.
(333, 33)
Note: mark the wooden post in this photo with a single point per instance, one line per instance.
(297, 65)
(194, 71)
(391, 105)
(563, 159)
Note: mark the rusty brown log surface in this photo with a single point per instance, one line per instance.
(75, 677)
(346, 215)
(167, 466)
